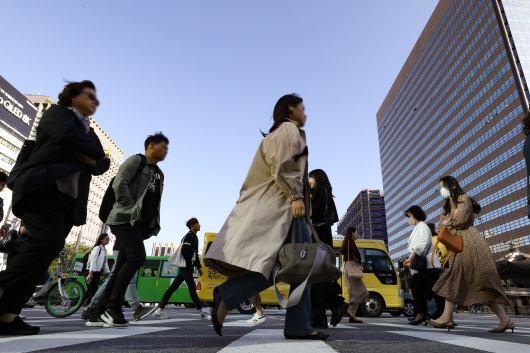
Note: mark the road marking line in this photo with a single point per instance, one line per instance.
(487, 345)
(158, 321)
(51, 319)
(417, 328)
(54, 340)
(273, 341)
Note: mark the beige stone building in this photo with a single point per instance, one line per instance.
(164, 249)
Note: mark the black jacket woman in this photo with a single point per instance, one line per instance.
(324, 215)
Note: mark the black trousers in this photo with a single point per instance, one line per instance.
(183, 275)
(421, 287)
(132, 257)
(48, 217)
(325, 295)
(93, 285)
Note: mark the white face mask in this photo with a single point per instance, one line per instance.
(445, 192)
(411, 221)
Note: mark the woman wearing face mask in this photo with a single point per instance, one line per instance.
(472, 277)
(420, 246)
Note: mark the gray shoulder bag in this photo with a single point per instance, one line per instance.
(303, 263)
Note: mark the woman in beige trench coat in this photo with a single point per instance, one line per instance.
(275, 190)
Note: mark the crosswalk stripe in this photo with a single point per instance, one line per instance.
(273, 341)
(159, 321)
(53, 340)
(486, 345)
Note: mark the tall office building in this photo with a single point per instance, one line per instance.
(367, 214)
(88, 233)
(456, 109)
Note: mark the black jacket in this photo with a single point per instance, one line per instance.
(190, 247)
(324, 212)
(59, 134)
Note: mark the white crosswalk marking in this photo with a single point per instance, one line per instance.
(159, 321)
(273, 341)
(482, 344)
(33, 343)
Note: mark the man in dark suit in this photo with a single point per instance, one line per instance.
(50, 194)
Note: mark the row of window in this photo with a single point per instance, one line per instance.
(482, 187)
(6, 159)
(430, 118)
(442, 165)
(470, 64)
(413, 78)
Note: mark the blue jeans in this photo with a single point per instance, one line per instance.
(239, 289)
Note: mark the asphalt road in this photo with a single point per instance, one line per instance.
(186, 332)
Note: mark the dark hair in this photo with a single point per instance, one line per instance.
(100, 238)
(417, 213)
(347, 237)
(526, 125)
(156, 139)
(321, 179)
(73, 89)
(432, 227)
(3, 177)
(191, 222)
(454, 187)
(281, 112)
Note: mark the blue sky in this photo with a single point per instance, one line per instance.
(208, 73)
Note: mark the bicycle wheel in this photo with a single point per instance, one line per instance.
(63, 306)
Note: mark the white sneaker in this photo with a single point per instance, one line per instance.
(206, 314)
(161, 315)
(257, 319)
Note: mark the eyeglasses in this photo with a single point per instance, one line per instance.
(92, 97)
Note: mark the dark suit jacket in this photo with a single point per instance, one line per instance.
(59, 134)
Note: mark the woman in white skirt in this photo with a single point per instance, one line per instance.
(353, 274)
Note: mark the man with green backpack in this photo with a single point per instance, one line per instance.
(133, 217)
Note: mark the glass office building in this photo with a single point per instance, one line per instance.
(366, 213)
(456, 109)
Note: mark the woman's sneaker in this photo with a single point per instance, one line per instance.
(143, 311)
(17, 327)
(161, 315)
(87, 313)
(257, 319)
(206, 313)
(95, 321)
(114, 318)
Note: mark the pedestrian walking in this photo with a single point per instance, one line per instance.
(420, 246)
(259, 317)
(3, 181)
(275, 190)
(190, 252)
(135, 216)
(324, 215)
(353, 274)
(50, 193)
(97, 264)
(472, 277)
(131, 294)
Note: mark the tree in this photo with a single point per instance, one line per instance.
(83, 249)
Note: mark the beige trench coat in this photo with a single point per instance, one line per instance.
(258, 225)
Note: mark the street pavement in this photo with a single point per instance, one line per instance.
(186, 332)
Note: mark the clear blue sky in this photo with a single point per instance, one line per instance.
(208, 73)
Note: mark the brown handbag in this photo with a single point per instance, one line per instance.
(454, 243)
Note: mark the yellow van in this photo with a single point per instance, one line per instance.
(380, 278)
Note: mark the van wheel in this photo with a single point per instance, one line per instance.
(373, 306)
(408, 309)
(246, 308)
